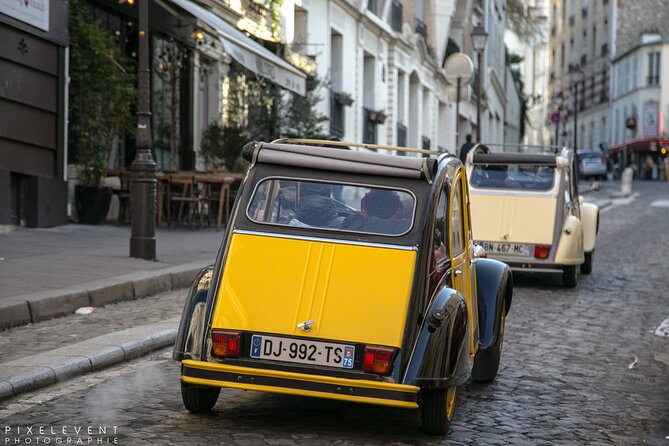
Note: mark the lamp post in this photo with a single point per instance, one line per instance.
(558, 101)
(479, 38)
(574, 70)
(143, 167)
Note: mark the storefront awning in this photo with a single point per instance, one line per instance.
(640, 145)
(249, 53)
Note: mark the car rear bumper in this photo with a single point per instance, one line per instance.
(248, 378)
(536, 267)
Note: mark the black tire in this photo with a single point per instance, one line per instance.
(437, 409)
(199, 399)
(569, 276)
(486, 361)
(586, 266)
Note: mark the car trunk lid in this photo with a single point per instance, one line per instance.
(351, 292)
(513, 219)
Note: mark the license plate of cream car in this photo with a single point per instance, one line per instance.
(510, 249)
(302, 351)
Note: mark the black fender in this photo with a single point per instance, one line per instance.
(192, 326)
(441, 343)
(494, 290)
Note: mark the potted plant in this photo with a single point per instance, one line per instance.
(102, 91)
(343, 98)
(222, 146)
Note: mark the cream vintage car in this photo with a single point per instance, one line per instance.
(527, 212)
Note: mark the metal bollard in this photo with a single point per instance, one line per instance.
(626, 181)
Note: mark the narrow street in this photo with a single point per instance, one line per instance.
(580, 366)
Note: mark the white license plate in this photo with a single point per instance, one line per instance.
(302, 351)
(509, 249)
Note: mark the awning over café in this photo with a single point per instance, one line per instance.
(640, 145)
(249, 53)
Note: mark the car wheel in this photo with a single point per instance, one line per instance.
(586, 266)
(569, 276)
(486, 361)
(199, 399)
(437, 409)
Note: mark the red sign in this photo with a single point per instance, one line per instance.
(555, 117)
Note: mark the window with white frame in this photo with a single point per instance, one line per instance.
(654, 68)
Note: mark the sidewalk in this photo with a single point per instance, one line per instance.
(51, 272)
(46, 273)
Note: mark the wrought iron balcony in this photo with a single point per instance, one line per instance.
(421, 27)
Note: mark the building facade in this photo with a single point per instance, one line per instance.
(640, 89)
(33, 110)
(534, 71)
(382, 61)
(579, 81)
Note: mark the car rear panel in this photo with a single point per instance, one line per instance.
(352, 292)
(513, 218)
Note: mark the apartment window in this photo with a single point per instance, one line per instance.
(301, 31)
(594, 40)
(420, 9)
(396, 16)
(376, 6)
(401, 97)
(605, 49)
(654, 68)
(571, 51)
(337, 111)
(401, 136)
(369, 85)
(564, 11)
(336, 60)
(562, 56)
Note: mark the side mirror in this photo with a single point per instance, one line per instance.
(581, 200)
(479, 252)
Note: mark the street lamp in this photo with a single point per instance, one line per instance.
(143, 195)
(575, 70)
(479, 38)
(558, 101)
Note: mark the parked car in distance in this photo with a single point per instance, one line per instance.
(527, 212)
(346, 275)
(592, 164)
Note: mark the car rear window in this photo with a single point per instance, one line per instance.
(513, 176)
(332, 206)
(590, 155)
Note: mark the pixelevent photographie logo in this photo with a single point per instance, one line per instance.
(59, 435)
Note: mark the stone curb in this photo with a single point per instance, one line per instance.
(40, 306)
(31, 373)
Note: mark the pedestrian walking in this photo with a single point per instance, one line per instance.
(466, 147)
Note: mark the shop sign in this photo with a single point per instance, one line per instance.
(32, 12)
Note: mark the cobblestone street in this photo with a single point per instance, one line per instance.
(580, 366)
